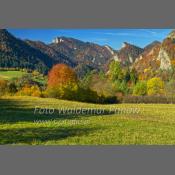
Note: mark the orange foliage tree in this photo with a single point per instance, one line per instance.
(28, 90)
(61, 74)
(62, 82)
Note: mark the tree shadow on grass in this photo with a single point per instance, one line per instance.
(39, 135)
(12, 111)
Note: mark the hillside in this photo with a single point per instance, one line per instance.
(56, 56)
(87, 56)
(128, 53)
(16, 53)
(82, 56)
(158, 57)
(147, 62)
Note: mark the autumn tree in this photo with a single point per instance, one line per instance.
(62, 82)
(61, 74)
(155, 86)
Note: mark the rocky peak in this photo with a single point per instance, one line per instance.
(109, 49)
(152, 45)
(165, 60)
(125, 44)
(128, 53)
(57, 40)
(171, 34)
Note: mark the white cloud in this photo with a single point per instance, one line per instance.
(147, 33)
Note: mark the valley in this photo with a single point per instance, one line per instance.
(75, 92)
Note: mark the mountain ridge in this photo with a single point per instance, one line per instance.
(15, 52)
(84, 56)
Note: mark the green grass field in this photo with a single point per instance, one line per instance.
(8, 75)
(129, 124)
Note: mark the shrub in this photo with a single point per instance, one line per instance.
(7, 88)
(30, 91)
(26, 79)
(87, 95)
(121, 86)
(148, 99)
(67, 91)
(3, 87)
(35, 91)
(108, 100)
(12, 89)
(102, 86)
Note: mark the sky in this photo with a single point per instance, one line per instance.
(111, 37)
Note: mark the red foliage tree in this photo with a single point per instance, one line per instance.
(61, 74)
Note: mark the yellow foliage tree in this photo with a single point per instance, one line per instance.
(30, 91)
(155, 86)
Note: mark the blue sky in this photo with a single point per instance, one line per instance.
(111, 37)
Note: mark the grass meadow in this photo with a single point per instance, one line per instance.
(9, 75)
(38, 121)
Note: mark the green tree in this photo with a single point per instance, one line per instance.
(115, 71)
(102, 75)
(140, 88)
(86, 80)
(133, 76)
(127, 76)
